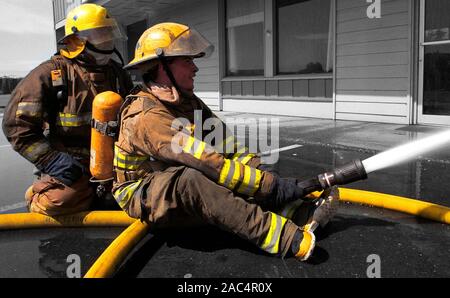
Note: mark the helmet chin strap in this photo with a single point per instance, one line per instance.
(163, 59)
(91, 47)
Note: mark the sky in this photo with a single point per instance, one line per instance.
(27, 35)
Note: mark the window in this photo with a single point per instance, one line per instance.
(305, 36)
(245, 37)
(437, 27)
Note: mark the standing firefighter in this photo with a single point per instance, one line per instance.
(48, 117)
(168, 176)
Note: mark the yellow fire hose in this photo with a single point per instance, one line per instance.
(84, 219)
(409, 206)
(107, 264)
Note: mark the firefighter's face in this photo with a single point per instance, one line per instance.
(183, 70)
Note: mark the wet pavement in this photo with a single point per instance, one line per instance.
(407, 247)
(49, 252)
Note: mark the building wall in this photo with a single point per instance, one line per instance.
(372, 74)
(201, 15)
(373, 58)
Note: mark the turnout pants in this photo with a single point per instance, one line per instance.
(182, 196)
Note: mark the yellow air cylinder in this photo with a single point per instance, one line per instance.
(105, 107)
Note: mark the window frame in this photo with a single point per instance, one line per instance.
(270, 46)
(223, 19)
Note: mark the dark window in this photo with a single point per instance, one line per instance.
(305, 36)
(245, 37)
(436, 82)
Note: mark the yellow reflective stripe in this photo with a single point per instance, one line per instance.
(127, 162)
(271, 243)
(124, 194)
(126, 165)
(73, 120)
(235, 177)
(190, 142)
(131, 158)
(199, 150)
(224, 172)
(236, 156)
(195, 147)
(252, 180)
(32, 109)
(244, 188)
(239, 152)
(230, 174)
(245, 159)
(36, 150)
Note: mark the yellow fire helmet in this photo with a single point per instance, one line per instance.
(87, 22)
(170, 40)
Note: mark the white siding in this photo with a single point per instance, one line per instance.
(203, 16)
(287, 108)
(372, 72)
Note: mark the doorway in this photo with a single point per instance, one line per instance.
(434, 63)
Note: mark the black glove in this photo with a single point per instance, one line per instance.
(286, 190)
(65, 168)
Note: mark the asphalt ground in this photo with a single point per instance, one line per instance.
(406, 246)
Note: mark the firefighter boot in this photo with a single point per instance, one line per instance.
(303, 245)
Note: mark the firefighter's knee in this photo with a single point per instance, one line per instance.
(193, 179)
(50, 197)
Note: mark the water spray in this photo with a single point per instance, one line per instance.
(359, 170)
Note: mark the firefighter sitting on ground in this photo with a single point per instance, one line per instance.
(170, 186)
(48, 119)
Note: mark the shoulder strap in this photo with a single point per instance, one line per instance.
(119, 75)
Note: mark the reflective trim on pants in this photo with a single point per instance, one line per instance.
(271, 243)
(123, 195)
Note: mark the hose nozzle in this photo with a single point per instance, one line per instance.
(342, 175)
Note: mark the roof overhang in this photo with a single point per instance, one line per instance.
(131, 11)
